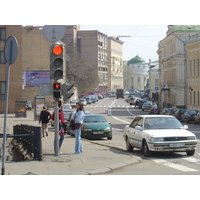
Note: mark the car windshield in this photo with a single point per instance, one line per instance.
(94, 119)
(162, 123)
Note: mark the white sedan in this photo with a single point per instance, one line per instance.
(159, 133)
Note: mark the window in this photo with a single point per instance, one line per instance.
(2, 34)
(138, 79)
(136, 122)
(2, 90)
(2, 59)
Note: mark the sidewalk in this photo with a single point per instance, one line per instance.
(95, 159)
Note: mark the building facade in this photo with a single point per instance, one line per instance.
(193, 71)
(115, 64)
(93, 49)
(15, 87)
(140, 75)
(173, 65)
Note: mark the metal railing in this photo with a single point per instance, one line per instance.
(29, 137)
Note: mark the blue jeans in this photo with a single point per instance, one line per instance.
(78, 143)
(60, 141)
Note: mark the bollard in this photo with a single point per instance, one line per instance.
(38, 144)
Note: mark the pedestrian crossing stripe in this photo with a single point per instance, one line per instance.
(174, 165)
(109, 106)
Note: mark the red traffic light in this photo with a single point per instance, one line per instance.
(56, 86)
(57, 50)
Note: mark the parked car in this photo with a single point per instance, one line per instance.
(96, 126)
(146, 106)
(154, 110)
(197, 118)
(178, 113)
(188, 116)
(171, 111)
(164, 111)
(159, 133)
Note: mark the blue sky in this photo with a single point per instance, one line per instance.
(143, 40)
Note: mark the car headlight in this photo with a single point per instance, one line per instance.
(156, 139)
(191, 138)
(107, 129)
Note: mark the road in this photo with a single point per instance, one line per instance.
(119, 113)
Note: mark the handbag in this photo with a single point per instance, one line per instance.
(61, 131)
(77, 125)
(72, 125)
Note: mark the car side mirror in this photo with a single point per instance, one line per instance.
(185, 127)
(138, 128)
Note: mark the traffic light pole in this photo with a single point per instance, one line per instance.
(56, 140)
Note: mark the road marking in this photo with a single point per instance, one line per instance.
(174, 166)
(192, 160)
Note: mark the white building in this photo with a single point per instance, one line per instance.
(139, 68)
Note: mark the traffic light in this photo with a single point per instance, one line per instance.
(56, 61)
(67, 91)
(57, 90)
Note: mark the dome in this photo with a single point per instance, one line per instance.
(135, 60)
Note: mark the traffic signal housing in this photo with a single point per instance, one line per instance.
(67, 90)
(57, 90)
(56, 61)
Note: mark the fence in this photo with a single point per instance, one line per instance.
(30, 139)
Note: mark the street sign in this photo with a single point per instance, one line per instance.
(53, 33)
(11, 50)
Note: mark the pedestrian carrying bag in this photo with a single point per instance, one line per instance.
(61, 131)
(77, 125)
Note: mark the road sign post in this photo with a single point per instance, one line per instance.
(10, 52)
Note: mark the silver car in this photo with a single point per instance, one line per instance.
(146, 106)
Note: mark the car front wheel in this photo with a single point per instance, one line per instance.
(145, 149)
(129, 147)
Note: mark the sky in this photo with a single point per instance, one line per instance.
(141, 40)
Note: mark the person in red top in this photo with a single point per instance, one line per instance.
(61, 124)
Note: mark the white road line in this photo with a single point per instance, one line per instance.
(192, 160)
(175, 166)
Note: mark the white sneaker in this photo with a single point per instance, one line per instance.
(60, 153)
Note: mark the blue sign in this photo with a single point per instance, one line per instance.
(36, 78)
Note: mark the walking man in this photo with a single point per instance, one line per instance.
(45, 116)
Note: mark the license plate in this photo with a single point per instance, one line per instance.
(177, 145)
(98, 132)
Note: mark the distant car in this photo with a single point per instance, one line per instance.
(73, 103)
(66, 106)
(146, 106)
(96, 127)
(154, 110)
(83, 101)
(132, 100)
(188, 116)
(197, 118)
(178, 113)
(164, 111)
(159, 133)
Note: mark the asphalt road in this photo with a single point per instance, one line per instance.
(119, 113)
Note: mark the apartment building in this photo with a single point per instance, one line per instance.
(115, 64)
(173, 65)
(193, 71)
(93, 49)
(15, 87)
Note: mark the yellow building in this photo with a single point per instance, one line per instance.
(193, 69)
(115, 64)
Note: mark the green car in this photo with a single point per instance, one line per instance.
(96, 127)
